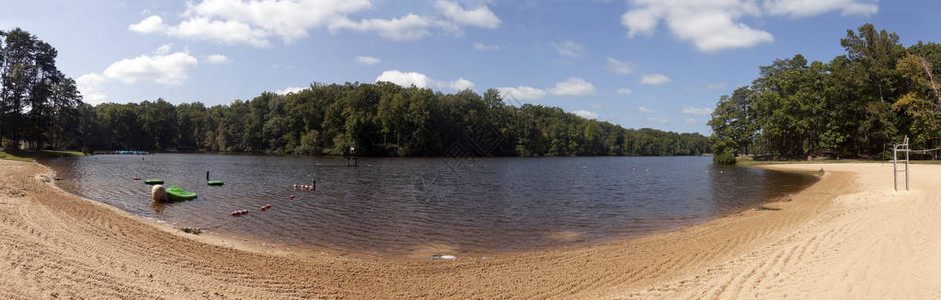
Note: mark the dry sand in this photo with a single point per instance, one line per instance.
(849, 236)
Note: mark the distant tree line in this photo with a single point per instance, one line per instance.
(382, 119)
(857, 105)
(35, 97)
(42, 106)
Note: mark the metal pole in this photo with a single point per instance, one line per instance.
(906, 170)
(895, 166)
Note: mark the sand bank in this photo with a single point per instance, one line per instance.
(848, 235)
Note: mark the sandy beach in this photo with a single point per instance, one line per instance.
(848, 236)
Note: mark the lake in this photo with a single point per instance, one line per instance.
(423, 206)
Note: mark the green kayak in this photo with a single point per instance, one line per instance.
(153, 181)
(175, 193)
(214, 182)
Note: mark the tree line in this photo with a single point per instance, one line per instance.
(857, 105)
(42, 106)
(382, 119)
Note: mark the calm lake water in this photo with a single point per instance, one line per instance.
(416, 206)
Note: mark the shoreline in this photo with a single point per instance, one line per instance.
(59, 244)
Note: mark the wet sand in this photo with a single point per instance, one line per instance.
(848, 235)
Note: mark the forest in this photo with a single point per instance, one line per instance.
(42, 107)
(857, 105)
(382, 119)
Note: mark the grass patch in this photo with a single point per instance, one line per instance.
(34, 155)
(724, 158)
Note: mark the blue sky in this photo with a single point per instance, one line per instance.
(638, 63)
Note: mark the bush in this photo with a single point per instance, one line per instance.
(724, 158)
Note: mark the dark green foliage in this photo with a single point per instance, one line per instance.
(858, 104)
(380, 119)
(37, 101)
(724, 158)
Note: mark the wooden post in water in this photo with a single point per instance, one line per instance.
(207, 175)
(313, 184)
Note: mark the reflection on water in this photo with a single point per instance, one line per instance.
(404, 206)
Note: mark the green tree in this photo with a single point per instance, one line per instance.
(923, 101)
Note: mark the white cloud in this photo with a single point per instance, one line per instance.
(710, 25)
(597, 106)
(690, 121)
(573, 87)
(405, 79)
(625, 91)
(645, 110)
(585, 114)
(716, 25)
(367, 60)
(619, 67)
(657, 120)
(224, 32)
(255, 22)
(152, 24)
(217, 59)
(654, 79)
(522, 93)
(479, 17)
(288, 90)
(484, 47)
(807, 8)
(203, 28)
(697, 111)
(569, 48)
(163, 50)
(409, 27)
(164, 69)
(89, 85)
(460, 84)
